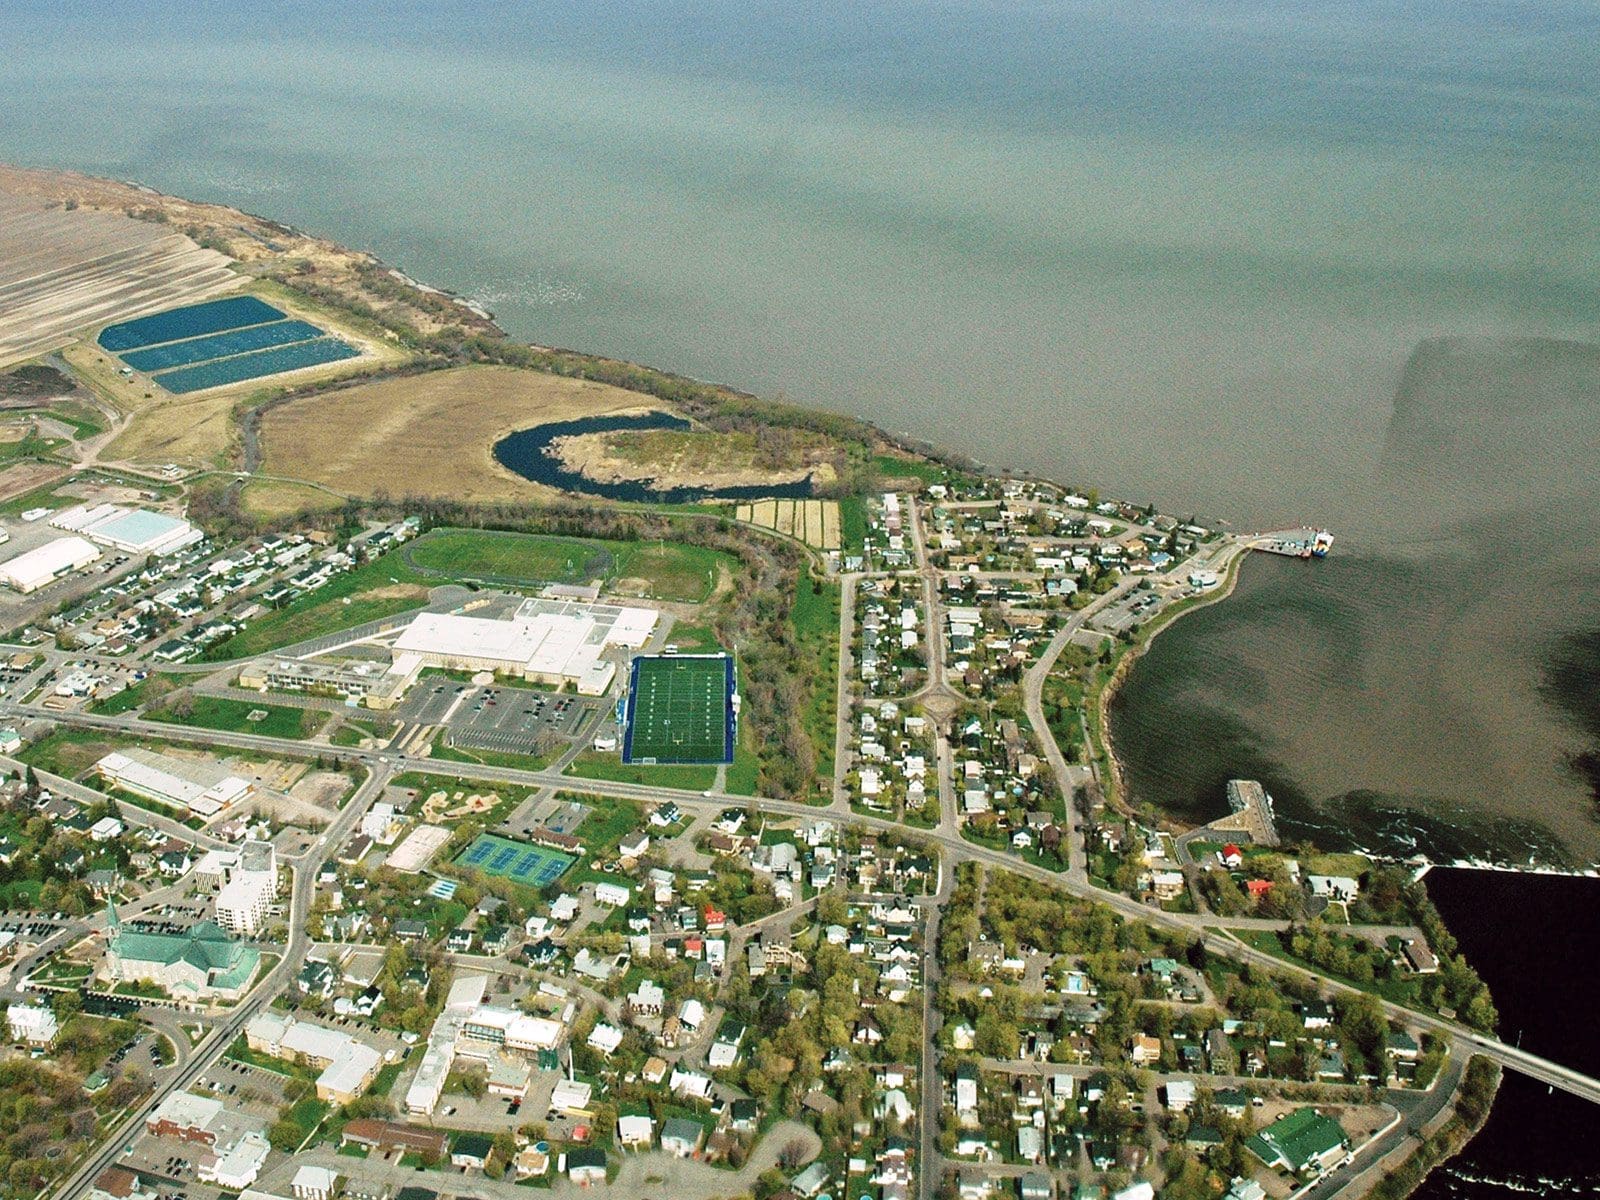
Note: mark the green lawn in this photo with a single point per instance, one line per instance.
(667, 570)
(489, 758)
(69, 752)
(852, 524)
(741, 775)
(694, 639)
(147, 689)
(893, 467)
(380, 588)
(352, 733)
(815, 617)
(592, 764)
(233, 716)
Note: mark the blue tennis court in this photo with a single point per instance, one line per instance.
(219, 371)
(192, 320)
(518, 861)
(221, 345)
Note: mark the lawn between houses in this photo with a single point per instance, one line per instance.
(381, 588)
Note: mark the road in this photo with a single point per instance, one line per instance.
(929, 1172)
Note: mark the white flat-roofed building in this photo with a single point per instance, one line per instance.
(237, 1166)
(45, 564)
(245, 901)
(465, 996)
(571, 1097)
(376, 685)
(547, 641)
(531, 1034)
(469, 643)
(348, 1066)
(202, 788)
(134, 530)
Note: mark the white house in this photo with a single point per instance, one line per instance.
(314, 1183)
(613, 894)
(605, 1038)
(33, 1024)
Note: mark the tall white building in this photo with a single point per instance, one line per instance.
(246, 899)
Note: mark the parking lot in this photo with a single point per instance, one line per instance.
(509, 719)
(1129, 612)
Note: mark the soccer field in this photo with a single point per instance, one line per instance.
(680, 710)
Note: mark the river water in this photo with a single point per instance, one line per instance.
(1196, 253)
(1536, 1141)
(1181, 251)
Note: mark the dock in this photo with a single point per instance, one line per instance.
(1305, 542)
(1251, 815)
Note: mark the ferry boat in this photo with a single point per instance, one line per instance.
(1304, 542)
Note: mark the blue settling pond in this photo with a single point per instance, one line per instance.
(190, 321)
(219, 342)
(528, 454)
(219, 371)
(221, 345)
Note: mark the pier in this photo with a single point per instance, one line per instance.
(1251, 816)
(1294, 543)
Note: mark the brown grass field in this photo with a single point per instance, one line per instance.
(428, 435)
(273, 498)
(202, 428)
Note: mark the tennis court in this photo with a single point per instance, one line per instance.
(680, 709)
(518, 861)
(192, 320)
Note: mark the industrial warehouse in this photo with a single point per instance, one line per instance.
(201, 788)
(45, 564)
(130, 530)
(546, 641)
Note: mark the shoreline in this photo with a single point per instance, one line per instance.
(1119, 791)
(1125, 664)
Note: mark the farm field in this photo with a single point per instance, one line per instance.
(663, 571)
(64, 270)
(429, 434)
(814, 522)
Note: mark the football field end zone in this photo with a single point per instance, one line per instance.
(654, 736)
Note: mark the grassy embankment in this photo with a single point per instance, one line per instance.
(669, 571)
(377, 589)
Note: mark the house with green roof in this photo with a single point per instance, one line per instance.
(1304, 1142)
(203, 962)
